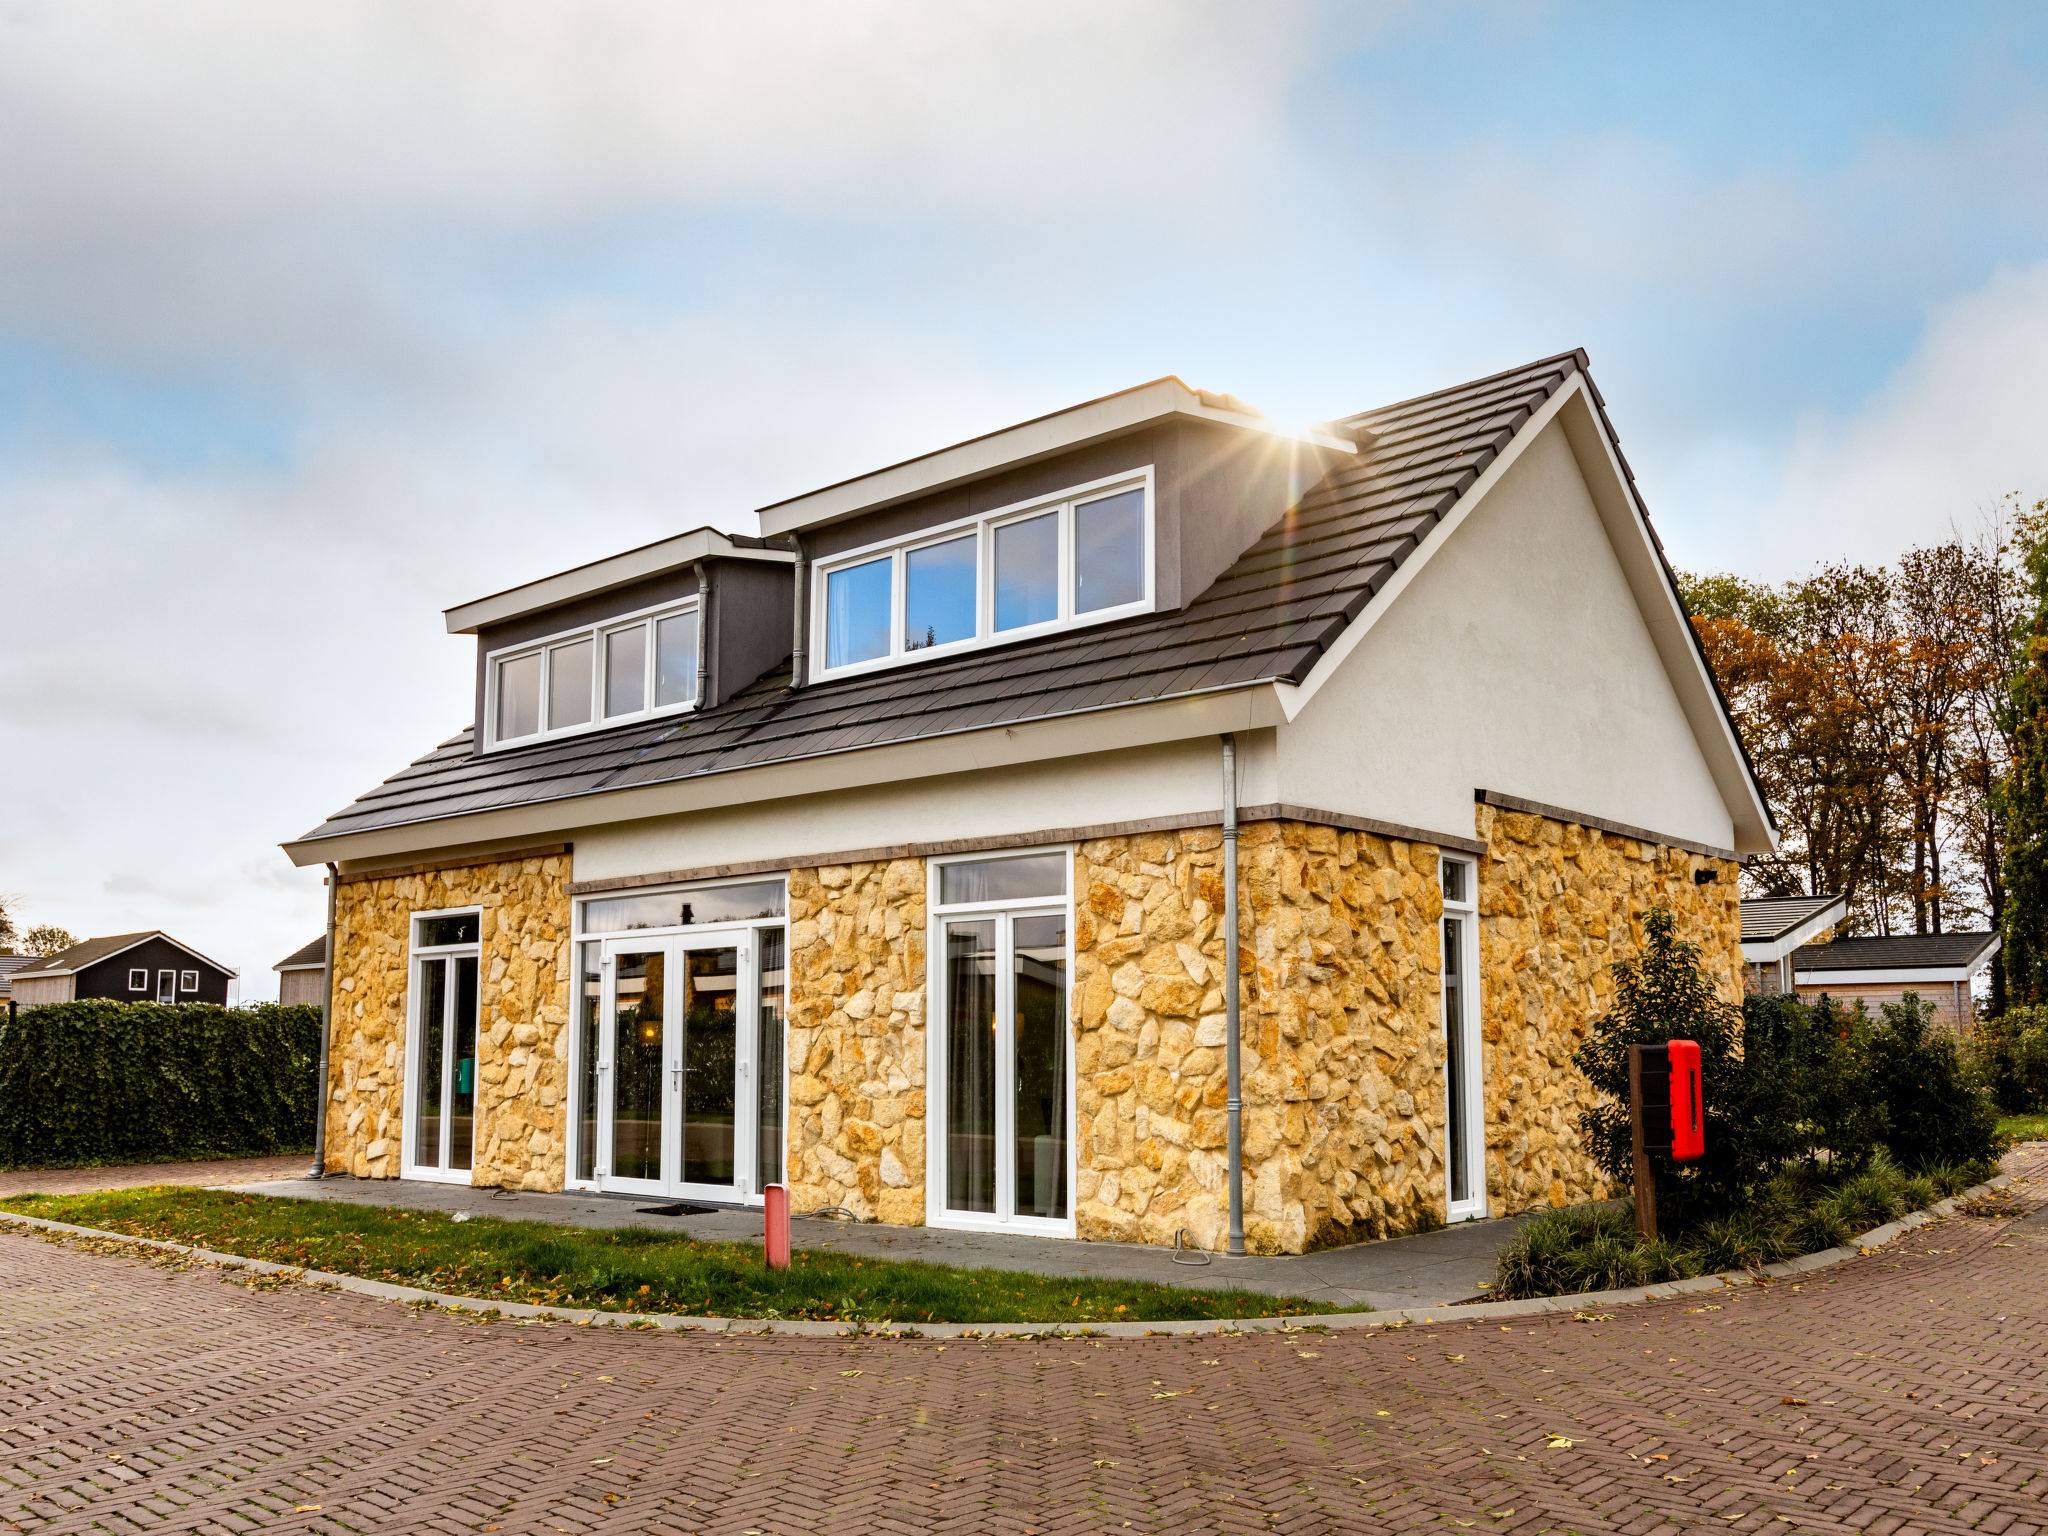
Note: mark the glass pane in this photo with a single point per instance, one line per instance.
(857, 613)
(938, 600)
(1028, 571)
(431, 1019)
(569, 684)
(971, 1066)
(711, 985)
(589, 1010)
(459, 929)
(462, 1088)
(675, 909)
(625, 671)
(1454, 880)
(1038, 874)
(637, 1064)
(167, 986)
(519, 697)
(675, 660)
(768, 1062)
(1109, 551)
(1454, 1058)
(1040, 951)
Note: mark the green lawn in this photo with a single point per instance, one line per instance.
(624, 1269)
(2025, 1127)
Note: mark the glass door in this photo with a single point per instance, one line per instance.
(634, 1064)
(440, 1129)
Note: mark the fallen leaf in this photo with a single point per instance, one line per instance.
(1559, 1443)
(305, 1509)
(1382, 1413)
(1792, 1402)
(849, 1373)
(1308, 1354)
(1454, 1357)
(600, 1461)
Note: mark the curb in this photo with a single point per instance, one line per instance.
(380, 1290)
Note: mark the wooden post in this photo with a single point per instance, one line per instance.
(1645, 1171)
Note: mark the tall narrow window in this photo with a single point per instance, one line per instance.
(857, 613)
(1028, 571)
(1464, 1140)
(675, 660)
(1109, 552)
(768, 1059)
(971, 1066)
(569, 684)
(938, 584)
(589, 1013)
(519, 697)
(442, 1053)
(625, 671)
(1039, 999)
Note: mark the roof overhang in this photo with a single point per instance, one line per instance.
(1895, 975)
(115, 954)
(1061, 432)
(1760, 951)
(657, 559)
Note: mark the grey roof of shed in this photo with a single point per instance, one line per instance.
(1772, 917)
(9, 964)
(1269, 617)
(311, 957)
(1896, 952)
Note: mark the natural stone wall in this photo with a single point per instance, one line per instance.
(1342, 1044)
(522, 1028)
(1558, 904)
(857, 1039)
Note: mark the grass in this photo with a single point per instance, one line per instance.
(2024, 1127)
(1595, 1247)
(628, 1269)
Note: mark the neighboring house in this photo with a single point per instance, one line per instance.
(1939, 966)
(300, 974)
(1774, 926)
(9, 964)
(129, 968)
(882, 854)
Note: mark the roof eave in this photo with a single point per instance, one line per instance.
(607, 575)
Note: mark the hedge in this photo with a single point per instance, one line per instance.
(106, 1082)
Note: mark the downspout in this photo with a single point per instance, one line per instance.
(319, 1169)
(703, 634)
(1233, 1104)
(799, 653)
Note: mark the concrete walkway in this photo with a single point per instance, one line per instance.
(213, 1172)
(1434, 1269)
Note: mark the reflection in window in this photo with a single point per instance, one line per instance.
(1028, 571)
(1037, 874)
(569, 684)
(589, 1014)
(768, 1055)
(680, 909)
(625, 671)
(637, 1054)
(971, 1066)
(939, 583)
(1109, 552)
(675, 660)
(458, 928)
(857, 613)
(1040, 979)
(519, 697)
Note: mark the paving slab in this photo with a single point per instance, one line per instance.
(1430, 1269)
(213, 1171)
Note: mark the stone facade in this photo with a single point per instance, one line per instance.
(1558, 904)
(523, 1024)
(857, 1040)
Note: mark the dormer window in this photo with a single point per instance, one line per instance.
(612, 673)
(1080, 557)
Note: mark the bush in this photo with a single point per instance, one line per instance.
(106, 1082)
(2012, 1052)
(1936, 1107)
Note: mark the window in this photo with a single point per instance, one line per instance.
(188, 981)
(167, 986)
(138, 981)
(1464, 1127)
(683, 909)
(1080, 557)
(603, 675)
(441, 1047)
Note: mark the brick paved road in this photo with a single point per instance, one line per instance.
(227, 1170)
(136, 1398)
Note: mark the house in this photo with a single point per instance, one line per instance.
(882, 852)
(148, 967)
(302, 975)
(1774, 926)
(1941, 967)
(9, 964)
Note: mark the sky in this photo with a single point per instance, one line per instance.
(317, 320)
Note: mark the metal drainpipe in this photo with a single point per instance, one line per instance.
(799, 657)
(703, 633)
(1233, 1104)
(319, 1169)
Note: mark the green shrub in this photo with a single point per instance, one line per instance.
(1936, 1106)
(2012, 1051)
(107, 1082)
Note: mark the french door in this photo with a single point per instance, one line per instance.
(441, 1123)
(689, 1066)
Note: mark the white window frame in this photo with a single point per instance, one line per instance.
(138, 981)
(936, 1128)
(167, 981)
(188, 981)
(415, 953)
(983, 525)
(595, 633)
(752, 928)
(1466, 911)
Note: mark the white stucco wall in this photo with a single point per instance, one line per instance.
(1135, 784)
(1517, 661)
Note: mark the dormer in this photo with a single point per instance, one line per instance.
(661, 630)
(1131, 504)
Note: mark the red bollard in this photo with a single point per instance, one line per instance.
(775, 1203)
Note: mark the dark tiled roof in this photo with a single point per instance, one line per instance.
(1268, 617)
(314, 953)
(1896, 952)
(1772, 917)
(79, 956)
(9, 964)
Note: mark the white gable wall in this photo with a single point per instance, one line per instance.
(1516, 660)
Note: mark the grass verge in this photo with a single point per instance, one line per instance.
(627, 1269)
(1595, 1247)
(2024, 1127)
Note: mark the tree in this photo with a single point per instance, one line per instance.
(2023, 797)
(6, 925)
(46, 939)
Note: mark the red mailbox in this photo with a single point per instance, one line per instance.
(1688, 1102)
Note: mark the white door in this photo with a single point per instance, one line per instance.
(678, 1113)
